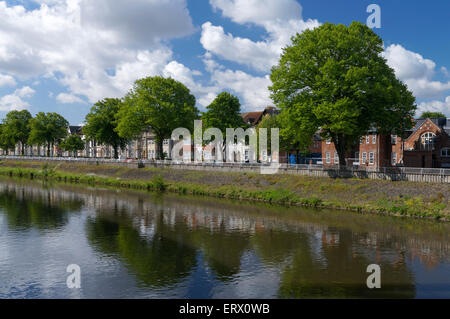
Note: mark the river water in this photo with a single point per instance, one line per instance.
(143, 245)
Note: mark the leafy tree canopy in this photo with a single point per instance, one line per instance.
(224, 112)
(73, 143)
(334, 78)
(49, 129)
(161, 104)
(432, 115)
(101, 124)
(6, 140)
(17, 126)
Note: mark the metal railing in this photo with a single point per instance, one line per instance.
(385, 170)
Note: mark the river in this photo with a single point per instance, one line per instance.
(143, 245)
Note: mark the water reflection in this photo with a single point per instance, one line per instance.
(159, 258)
(197, 247)
(44, 210)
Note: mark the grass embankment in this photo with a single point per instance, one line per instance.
(422, 200)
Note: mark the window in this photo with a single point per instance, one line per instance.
(361, 141)
(166, 142)
(328, 159)
(394, 158)
(329, 141)
(371, 158)
(374, 139)
(336, 158)
(394, 139)
(427, 140)
(367, 139)
(357, 156)
(364, 158)
(445, 152)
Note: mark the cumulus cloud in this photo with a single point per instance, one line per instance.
(97, 48)
(67, 98)
(138, 22)
(252, 89)
(416, 71)
(435, 106)
(280, 18)
(258, 11)
(16, 101)
(7, 80)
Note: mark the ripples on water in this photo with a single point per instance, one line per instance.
(140, 245)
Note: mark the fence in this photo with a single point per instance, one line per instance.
(433, 175)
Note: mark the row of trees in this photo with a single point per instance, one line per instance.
(155, 103)
(333, 79)
(45, 129)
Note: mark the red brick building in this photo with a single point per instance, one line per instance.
(427, 145)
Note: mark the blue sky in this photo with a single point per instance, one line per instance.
(63, 55)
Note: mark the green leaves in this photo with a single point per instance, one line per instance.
(73, 143)
(101, 124)
(160, 104)
(334, 78)
(224, 112)
(16, 128)
(47, 128)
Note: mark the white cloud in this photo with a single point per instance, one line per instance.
(435, 106)
(138, 22)
(97, 48)
(66, 98)
(258, 11)
(416, 71)
(25, 92)
(204, 94)
(7, 80)
(280, 18)
(253, 90)
(16, 101)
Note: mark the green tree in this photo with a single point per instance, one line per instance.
(287, 140)
(6, 140)
(101, 124)
(432, 115)
(73, 144)
(160, 104)
(48, 129)
(334, 78)
(224, 112)
(17, 126)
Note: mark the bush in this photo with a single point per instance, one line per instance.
(158, 183)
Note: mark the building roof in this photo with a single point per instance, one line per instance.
(442, 123)
(254, 118)
(75, 130)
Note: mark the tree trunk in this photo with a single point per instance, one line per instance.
(116, 153)
(341, 147)
(48, 150)
(23, 149)
(160, 148)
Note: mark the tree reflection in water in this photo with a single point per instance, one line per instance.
(313, 254)
(43, 209)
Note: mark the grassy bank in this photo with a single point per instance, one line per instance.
(384, 197)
